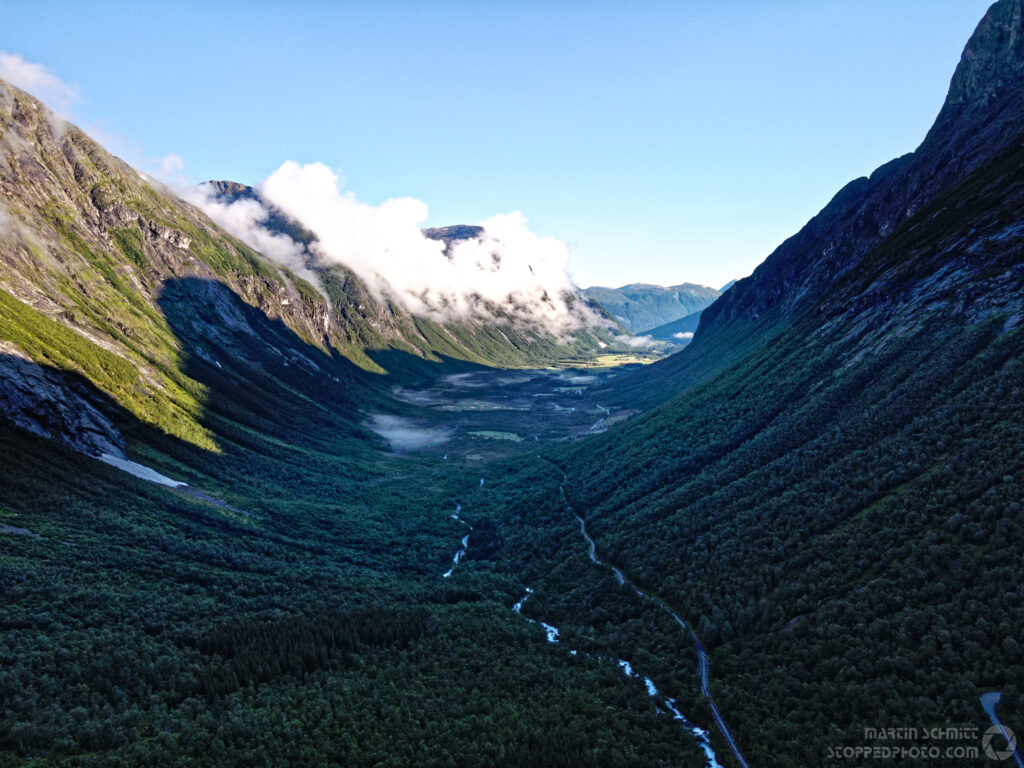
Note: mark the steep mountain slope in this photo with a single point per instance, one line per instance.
(87, 251)
(276, 222)
(640, 306)
(978, 120)
(96, 261)
(833, 500)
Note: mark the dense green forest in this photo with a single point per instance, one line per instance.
(850, 554)
(295, 616)
(298, 615)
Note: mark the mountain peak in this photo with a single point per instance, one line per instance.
(993, 59)
(987, 84)
(979, 120)
(230, 191)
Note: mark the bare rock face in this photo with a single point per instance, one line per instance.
(993, 61)
(49, 404)
(980, 120)
(454, 232)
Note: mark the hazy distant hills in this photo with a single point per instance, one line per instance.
(680, 332)
(641, 306)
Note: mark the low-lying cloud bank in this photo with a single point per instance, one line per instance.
(404, 435)
(636, 342)
(507, 272)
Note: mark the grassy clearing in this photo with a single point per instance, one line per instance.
(615, 359)
(492, 435)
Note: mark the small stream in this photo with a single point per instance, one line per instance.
(702, 656)
(593, 555)
(551, 634)
(596, 426)
(465, 542)
(701, 736)
(549, 631)
(989, 702)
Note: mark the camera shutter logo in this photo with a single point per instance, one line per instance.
(991, 750)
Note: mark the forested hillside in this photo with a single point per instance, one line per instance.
(287, 605)
(678, 331)
(833, 501)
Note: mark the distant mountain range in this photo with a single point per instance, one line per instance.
(641, 306)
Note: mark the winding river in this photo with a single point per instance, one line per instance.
(702, 656)
(665, 704)
(701, 736)
(552, 635)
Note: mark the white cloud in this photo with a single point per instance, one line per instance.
(637, 342)
(244, 219)
(60, 96)
(507, 272)
(403, 434)
(169, 170)
(683, 335)
(40, 81)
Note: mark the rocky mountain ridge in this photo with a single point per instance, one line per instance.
(976, 129)
(977, 120)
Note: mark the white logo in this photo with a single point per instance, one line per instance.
(990, 748)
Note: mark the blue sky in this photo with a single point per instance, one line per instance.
(665, 142)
